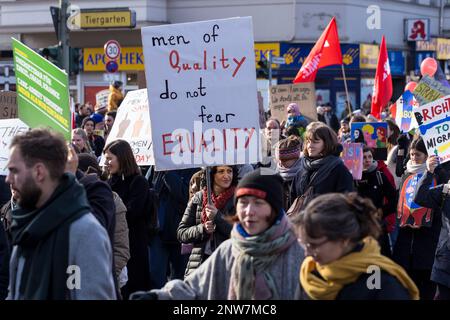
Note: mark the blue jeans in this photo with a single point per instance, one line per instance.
(166, 262)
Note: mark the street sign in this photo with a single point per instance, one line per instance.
(112, 49)
(278, 60)
(103, 18)
(112, 66)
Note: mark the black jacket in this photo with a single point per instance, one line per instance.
(333, 122)
(191, 230)
(4, 263)
(339, 180)
(415, 249)
(433, 198)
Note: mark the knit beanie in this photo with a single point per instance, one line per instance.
(293, 108)
(262, 183)
(288, 149)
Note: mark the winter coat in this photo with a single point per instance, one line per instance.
(172, 191)
(97, 144)
(433, 198)
(191, 230)
(338, 180)
(115, 98)
(333, 121)
(211, 281)
(121, 247)
(415, 248)
(134, 192)
(4, 263)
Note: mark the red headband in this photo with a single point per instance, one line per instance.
(251, 192)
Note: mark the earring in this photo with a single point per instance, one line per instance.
(123, 177)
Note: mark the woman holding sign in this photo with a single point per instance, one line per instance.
(203, 225)
(321, 170)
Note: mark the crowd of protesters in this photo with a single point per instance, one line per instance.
(137, 233)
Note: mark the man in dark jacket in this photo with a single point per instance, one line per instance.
(4, 263)
(438, 198)
(172, 191)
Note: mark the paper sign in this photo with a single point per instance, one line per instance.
(201, 82)
(404, 117)
(429, 90)
(373, 135)
(8, 129)
(434, 127)
(352, 155)
(301, 93)
(133, 125)
(42, 91)
(8, 105)
(101, 99)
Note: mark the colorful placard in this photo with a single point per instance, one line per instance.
(373, 135)
(352, 155)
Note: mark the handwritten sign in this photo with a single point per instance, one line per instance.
(352, 155)
(404, 117)
(133, 125)
(8, 105)
(101, 99)
(429, 90)
(9, 128)
(301, 93)
(201, 82)
(373, 135)
(434, 127)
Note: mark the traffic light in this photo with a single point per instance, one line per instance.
(53, 54)
(263, 70)
(75, 60)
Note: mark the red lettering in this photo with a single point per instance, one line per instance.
(175, 64)
(425, 115)
(250, 134)
(202, 143)
(235, 137)
(191, 147)
(165, 141)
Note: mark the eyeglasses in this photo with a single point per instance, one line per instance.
(312, 246)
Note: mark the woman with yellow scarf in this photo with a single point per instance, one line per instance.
(338, 234)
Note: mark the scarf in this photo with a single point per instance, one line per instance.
(372, 167)
(42, 237)
(415, 168)
(250, 277)
(288, 174)
(219, 201)
(316, 170)
(348, 269)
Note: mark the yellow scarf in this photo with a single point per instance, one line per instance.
(347, 270)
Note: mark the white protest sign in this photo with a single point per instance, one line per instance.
(8, 129)
(201, 82)
(101, 99)
(132, 124)
(434, 127)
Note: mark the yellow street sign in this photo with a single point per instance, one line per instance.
(90, 19)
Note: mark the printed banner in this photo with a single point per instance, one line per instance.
(429, 90)
(352, 155)
(373, 135)
(201, 82)
(434, 127)
(42, 91)
(133, 125)
(8, 129)
(8, 105)
(301, 93)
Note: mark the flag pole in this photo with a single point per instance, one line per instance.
(346, 91)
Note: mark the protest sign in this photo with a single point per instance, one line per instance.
(352, 155)
(8, 129)
(8, 105)
(133, 125)
(373, 134)
(201, 82)
(434, 127)
(404, 117)
(101, 99)
(429, 90)
(301, 93)
(42, 91)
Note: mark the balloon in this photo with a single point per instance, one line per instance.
(428, 67)
(411, 86)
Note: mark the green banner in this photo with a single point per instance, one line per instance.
(42, 91)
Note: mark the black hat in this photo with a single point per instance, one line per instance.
(262, 183)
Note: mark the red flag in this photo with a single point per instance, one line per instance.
(326, 52)
(382, 89)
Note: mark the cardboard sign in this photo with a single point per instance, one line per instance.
(373, 135)
(429, 90)
(42, 91)
(301, 93)
(352, 155)
(434, 127)
(8, 105)
(404, 117)
(101, 99)
(133, 125)
(201, 82)
(8, 129)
